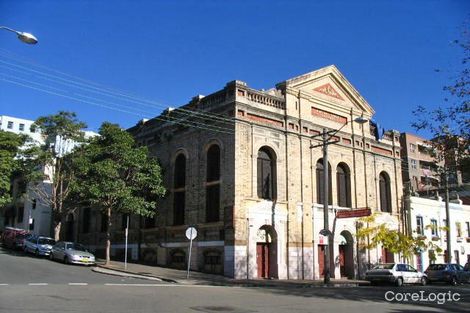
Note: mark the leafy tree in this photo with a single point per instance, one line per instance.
(373, 234)
(52, 184)
(116, 176)
(10, 144)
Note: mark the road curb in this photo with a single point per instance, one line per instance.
(114, 272)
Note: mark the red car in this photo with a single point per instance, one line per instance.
(13, 237)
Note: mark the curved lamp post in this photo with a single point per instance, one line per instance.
(325, 141)
(24, 37)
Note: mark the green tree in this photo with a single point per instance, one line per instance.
(116, 176)
(52, 184)
(10, 144)
(372, 234)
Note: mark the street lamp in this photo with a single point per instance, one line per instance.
(326, 137)
(24, 37)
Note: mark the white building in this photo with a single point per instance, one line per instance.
(27, 212)
(428, 217)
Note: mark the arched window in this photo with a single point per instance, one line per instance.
(266, 174)
(213, 184)
(385, 193)
(343, 185)
(320, 184)
(179, 191)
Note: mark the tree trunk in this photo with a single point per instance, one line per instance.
(57, 228)
(108, 237)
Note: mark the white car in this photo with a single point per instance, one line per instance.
(397, 273)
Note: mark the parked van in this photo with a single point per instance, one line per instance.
(13, 237)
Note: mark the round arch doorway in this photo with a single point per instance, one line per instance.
(346, 255)
(266, 252)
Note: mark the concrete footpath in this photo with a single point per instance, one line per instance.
(157, 273)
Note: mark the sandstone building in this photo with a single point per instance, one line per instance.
(239, 166)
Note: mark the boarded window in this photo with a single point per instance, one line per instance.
(343, 185)
(320, 183)
(385, 193)
(266, 174)
(180, 172)
(179, 193)
(213, 163)
(212, 203)
(178, 207)
(213, 184)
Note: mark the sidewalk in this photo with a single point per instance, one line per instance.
(197, 278)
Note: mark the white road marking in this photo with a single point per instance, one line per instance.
(78, 284)
(163, 285)
(3, 284)
(38, 284)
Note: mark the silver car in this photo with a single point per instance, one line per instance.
(71, 253)
(39, 245)
(398, 274)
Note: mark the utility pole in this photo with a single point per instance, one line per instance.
(449, 246)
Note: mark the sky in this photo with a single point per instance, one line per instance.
(121, 61)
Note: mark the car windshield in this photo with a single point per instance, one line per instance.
(46, 241)
(75, 246)
(437, 267)
(384, 266)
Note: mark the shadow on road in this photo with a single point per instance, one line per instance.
(429, 295)
(12, 252)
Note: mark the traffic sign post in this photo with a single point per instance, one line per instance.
(191, 233)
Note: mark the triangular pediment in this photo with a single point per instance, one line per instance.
(329, 85)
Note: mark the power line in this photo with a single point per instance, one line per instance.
(107, 91)
(179, 122)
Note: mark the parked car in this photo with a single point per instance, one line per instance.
(13, 237)
(449, 273)
(20, 239)
(71, 253)
(395, 273)
(39, 245)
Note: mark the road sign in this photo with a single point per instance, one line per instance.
(353, 213)
(191, 233)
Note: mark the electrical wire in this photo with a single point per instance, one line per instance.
(93, 87)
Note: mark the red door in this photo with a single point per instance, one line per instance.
(342, 267)
(387, 256)
(321, 260)
(262, 259)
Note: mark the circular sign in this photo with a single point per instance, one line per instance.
(191, 233)
(325, 232)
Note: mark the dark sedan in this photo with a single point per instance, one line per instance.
(449, 273)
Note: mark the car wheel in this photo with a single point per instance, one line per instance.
(399, 282)
(36, 253)
(424, 281)
(453, 281)
(51, 257)
(66, 260)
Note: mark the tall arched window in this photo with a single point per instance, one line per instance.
(385, 193)
(343, 185)
(179, 190)
(266, 174)
(320, 184)
(213, 184)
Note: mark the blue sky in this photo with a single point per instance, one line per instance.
(167, 52)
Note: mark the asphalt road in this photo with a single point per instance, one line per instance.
(29, 284)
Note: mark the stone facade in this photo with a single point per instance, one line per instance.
(276, 235)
